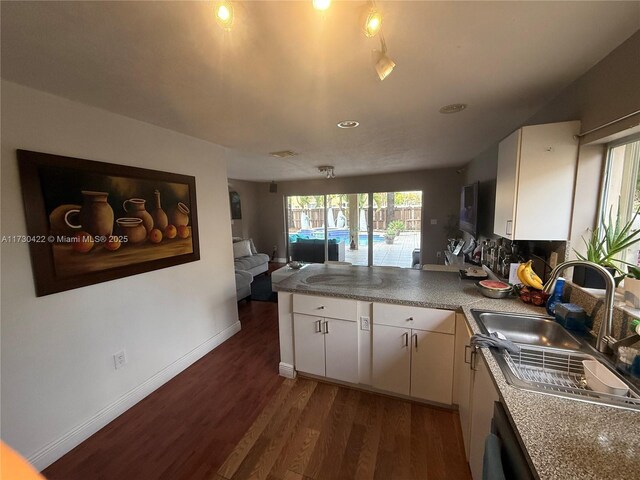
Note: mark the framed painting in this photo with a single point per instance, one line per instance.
(236, 209)
(90, 222)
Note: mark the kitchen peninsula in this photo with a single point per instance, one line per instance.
(424, 312)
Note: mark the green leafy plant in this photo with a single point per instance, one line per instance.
(609, 240)
(633, 272)
(396, 226)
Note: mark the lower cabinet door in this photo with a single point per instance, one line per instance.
(432, 366)
(484, 395)
(309, 344)
(341, 349)
(391, 359)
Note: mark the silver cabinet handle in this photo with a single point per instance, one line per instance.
(406, 339)
(326, 327)
(415, 340)
(507, 231)
(319, 326)
(466, 349)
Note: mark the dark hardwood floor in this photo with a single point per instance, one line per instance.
(188, 427)
(230, 416)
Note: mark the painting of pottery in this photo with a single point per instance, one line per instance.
(104, 221)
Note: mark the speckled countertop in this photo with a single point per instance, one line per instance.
(564, 438)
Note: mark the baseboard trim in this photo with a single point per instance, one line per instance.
(286, 370)
(56, 449)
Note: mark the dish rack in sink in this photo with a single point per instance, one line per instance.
(558, 372)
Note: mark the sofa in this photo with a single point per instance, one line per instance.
(243, 284)
(311, 250)
(248, 263)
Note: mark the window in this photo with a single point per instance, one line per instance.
(350, 228)
(621, 192)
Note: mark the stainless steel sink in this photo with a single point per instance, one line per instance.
(550, 359)
(528, 329)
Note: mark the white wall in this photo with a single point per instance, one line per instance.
(59, 384)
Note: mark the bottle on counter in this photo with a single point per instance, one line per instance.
(556, 297)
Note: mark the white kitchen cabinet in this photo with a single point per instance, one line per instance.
(484, 395)
(535, 182)
(432, 366)
(327, 347)
(463, 378)
(309, 344)
(391, 359)
(412, 361)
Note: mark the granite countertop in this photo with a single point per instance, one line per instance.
(564, 438)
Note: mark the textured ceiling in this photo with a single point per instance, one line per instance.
(286, 74)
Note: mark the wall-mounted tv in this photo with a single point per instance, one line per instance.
(469, 209)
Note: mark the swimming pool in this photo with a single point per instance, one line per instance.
(339, 234)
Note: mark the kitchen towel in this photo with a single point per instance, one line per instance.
(493, 340)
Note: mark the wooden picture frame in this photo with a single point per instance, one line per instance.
(90, 222)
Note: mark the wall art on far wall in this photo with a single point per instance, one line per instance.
(90, 222)
(236, 209)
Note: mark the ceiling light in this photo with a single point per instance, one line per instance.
(327, 170)
(348, 124)
(372, 21)
(224, 14)
(321, 4)
(453, 108)
(383, 64)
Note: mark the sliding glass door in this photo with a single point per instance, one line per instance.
(357, 228)
(397, 220)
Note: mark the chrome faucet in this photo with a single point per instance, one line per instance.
(605, 340)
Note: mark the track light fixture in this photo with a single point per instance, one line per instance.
(327, 170)
(371, 20)
(383, 63)
(224, 14)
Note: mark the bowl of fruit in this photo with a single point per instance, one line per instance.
(531, 290)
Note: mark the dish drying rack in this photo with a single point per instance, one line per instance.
(560, 372)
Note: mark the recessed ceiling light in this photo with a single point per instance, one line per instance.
(321, 4)
(348, 124)
(453, 108)
(283, 154)
(224, 14)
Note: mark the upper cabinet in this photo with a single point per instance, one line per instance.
(535, 182)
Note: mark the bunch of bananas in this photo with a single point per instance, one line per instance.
(528, 277)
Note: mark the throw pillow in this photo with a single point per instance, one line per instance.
(253, 247)
(241, 249)
(236, 239)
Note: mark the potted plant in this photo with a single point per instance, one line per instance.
(632, 287)
(393, 230)
(390, 235)
(606, 242)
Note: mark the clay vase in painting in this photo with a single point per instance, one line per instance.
(179, 215)
(133, 229)
(95, 215)
(160, 219)
(58, 220)
(135, 207)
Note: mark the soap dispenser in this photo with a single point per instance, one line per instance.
(556, 298)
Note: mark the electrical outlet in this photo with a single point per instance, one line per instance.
(365, 324)
(119, 359)
(434, 221)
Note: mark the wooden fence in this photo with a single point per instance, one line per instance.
(410, 215)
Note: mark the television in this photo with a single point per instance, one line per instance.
(469, 209)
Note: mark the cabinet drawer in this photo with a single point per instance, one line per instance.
(442, 321)
(325, 307)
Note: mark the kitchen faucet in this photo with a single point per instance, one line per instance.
(605, 340)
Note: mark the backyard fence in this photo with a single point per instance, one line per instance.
(410, 215)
